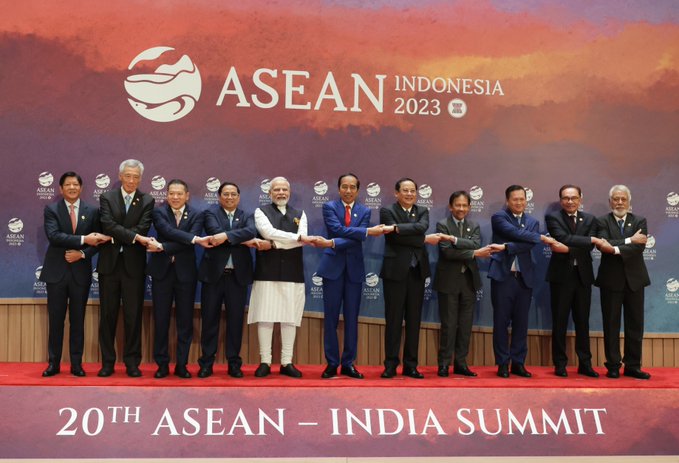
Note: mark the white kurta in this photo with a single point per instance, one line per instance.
(277, 301)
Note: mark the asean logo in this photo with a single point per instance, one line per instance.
(169, 93)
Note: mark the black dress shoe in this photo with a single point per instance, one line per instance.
(636, 373)
(613, 373)
(133, 372)
(519, 370)
(561, 371)
(205, 372)
(77, 370)
(106, 371)
(389, 372)
(290, 370)
(162, 372)
(464, 371)
(587, 370)
(503, 371)
(235, 371)
(329, 372)
(443, 371)
(412, 373)
(181, 371)
(51, 370)
(264, 369)
(351, 372)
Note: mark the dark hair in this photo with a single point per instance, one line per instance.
(63, 177)
(221, 187)
(176, 181)
(457, 194)
(570, 186)
(511, 188)
(397, 187)
(348, 174)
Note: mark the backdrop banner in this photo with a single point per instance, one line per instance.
(472, 95)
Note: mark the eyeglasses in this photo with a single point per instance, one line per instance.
(570, 198)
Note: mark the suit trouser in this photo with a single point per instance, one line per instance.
(570, 297)
(511, 302)
(403, 300)
(67, 294)
(233, 295)
(341, 295)
(114, 286)
(612, 303)
(163, 292)
(456, 312)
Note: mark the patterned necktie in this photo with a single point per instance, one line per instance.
(347, 216)
(74, 220)
(460, 228)
(572, 222)
(128, 201)
(621, 225)
(177, 216)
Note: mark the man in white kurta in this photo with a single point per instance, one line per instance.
(278, 290)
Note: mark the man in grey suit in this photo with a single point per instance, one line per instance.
(457, 281)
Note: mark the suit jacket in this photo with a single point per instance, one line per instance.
(629, 265)
(347, 255)
(176, 241)
(215, 259)
(400, 247)
(123, 227)
(61, 238)
(453, 256)
(579, 246)
(519, 239)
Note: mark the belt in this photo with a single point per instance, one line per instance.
(228, 271)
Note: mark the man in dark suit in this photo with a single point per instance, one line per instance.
(172, 267)
(404, 270)
(457, 281)
(73, 231)
(226, 270)
(343, 271)
(570, 277)
(512, 274)
(125, 216)
(622, 278)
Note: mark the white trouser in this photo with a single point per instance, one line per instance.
(265, 336)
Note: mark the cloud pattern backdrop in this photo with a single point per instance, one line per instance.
(556, 92)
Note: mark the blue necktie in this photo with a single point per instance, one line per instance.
(621, 224)
(128, 201)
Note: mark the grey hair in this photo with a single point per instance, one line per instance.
(133, 163)
(622, 188)
(279, 179)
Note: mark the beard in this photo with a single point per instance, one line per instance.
(280, 202)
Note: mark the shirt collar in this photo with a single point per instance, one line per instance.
(76, 203)
(125, 193)
(351, 206)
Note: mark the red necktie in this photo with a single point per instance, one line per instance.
(74, 221)
(347, 216)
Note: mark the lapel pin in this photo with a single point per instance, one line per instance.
(467, 229)
(237, 219)
(355, 215)
(82, 217)
(580, 219)
(412, 215)
(522, 225)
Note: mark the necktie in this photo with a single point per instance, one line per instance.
(347, 216)
(177, 216)
(460, 230)
(230, 216)
(621, 225)
(74, 220)
(128, 201)
(572, 223)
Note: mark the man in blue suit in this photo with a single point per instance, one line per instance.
(172, 267)
(226, 270)
(512, 274)
(73, 230)
(343, 272)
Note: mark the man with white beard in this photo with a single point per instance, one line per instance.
(278, 288)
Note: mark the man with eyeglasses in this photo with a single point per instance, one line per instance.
(622, 278)
(570, 277)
